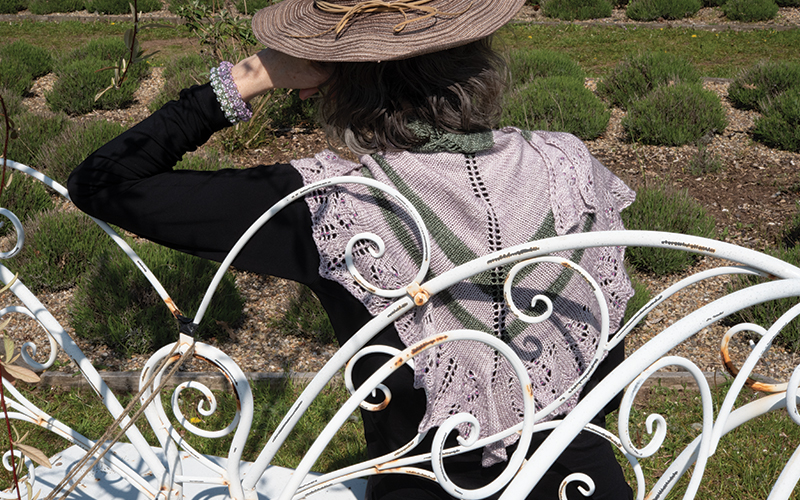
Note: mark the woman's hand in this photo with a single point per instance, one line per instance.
(270, 69)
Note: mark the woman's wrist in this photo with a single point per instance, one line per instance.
(251, 78)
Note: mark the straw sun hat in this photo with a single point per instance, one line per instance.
(377, 30)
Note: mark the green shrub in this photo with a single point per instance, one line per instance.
(636, 76)
(750, 10)
(675, 115)
(79, 82)
(766, 313)
(58, 248)
(704, 161)
(13, 103)
(763, 81)
(248, 7)
(42, 7)
(115, 305)
(61, 155)
(571, 10)
(176, 5)
(120, 7)
(38, 60)
(179, 74)
(788, 3)
(224, 36)
(15, 76)
(84, 72)
(109, 48)
(206, 161)
(791, 233)
(714, 3)
(525, 65)
(12, 6)
(25, 197)
(33, 132)
(641, 296)
(651, 10)
(558, 103)
(663, 209)
(280, 109)
(305, 317)
(779, 126)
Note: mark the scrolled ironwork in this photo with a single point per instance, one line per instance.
(602, 343)
(733, 369)
(791, 395)
(406, 205)
(208, 398)
(472, 441)
(29, 350)
(403, 461)
(376, 253)
(574, 477)
(19, 233)
(348, 375)
(515, 461)
(747, 368)
(509, 298)
(659, 434)
(30, 479)
(171, 439)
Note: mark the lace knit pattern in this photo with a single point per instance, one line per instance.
(528, 186)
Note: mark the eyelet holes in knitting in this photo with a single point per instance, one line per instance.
(494, 243)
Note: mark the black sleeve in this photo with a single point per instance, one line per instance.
(130, 183)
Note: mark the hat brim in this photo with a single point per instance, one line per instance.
(298, 28)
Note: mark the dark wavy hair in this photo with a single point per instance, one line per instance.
(368, 106)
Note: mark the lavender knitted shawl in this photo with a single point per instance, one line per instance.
(500, 189)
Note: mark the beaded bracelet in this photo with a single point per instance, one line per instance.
(230, 101)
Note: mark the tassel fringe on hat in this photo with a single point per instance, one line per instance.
(377, 30)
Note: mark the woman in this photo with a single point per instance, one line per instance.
(413, 87)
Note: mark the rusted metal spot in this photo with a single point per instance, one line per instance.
(419, 294)
(512, 254)
(750, 382)
(396, 310)
(421, 347)
(403, 470)
(383, 404)
(529, 389)
(690, 246)
(172, 307)
(655, 495)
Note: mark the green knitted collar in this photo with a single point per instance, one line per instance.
(438, 141)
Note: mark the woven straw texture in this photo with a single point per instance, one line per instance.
(301, 29)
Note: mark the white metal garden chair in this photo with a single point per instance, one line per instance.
(175, 469)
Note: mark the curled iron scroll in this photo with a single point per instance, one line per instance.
(30, 480)
(310, 188)
(348, 375)
(601, 304)
(660, 430)
(19, 232)
(239, 424)
(29, 349)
